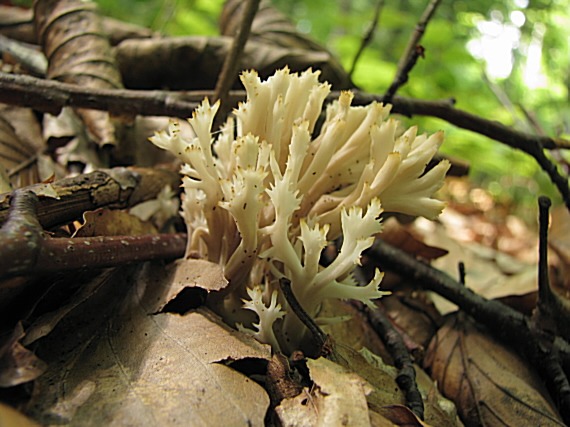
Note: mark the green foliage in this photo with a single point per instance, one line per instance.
(449, 70)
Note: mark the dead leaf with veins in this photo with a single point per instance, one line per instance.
(114, 360)
(489, 383)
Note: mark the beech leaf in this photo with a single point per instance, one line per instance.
(119, 364)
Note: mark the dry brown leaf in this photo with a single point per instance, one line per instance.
(482, 271)
(67, 137)
(337, 398)
(407, 240)
(18, 365)
(273, 28)
(559, 241)
(9, 417)
(44, 323)
(489, 383)
(74, 42)
(22, 147)
(107, 222)
(435, 411)
(414, 316)
(113, 362)
(386, 391)
(194, 62)
(401, 416)
(17, 23)
(355, 332)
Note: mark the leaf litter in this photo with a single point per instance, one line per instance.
(113, 362)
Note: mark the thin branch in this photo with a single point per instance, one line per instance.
(417, 34)
(320, 337)
(402, 77)
(368, 36)
(51, 96)
(26, 250)
(231, 65)
(406, 378)
(544, 289)
(551, 312)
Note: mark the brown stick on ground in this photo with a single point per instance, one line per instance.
(113, 188)
(26, 250)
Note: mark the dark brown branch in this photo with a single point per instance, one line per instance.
(231, 65)
(112, 188)
(368, 36)
(406, 378)
(417, 35)
(544, 290)
(551, 312)
(412, 52)
(402, 77)
(51, 96)
(446, 110)
(26, 250)
(319, 336)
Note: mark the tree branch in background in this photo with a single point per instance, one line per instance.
(231, 65)
(26, 250)
(417, 35)
(412, 52)
(368, 36)
(50, 96)
(402, 77)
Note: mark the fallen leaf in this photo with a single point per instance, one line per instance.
(112, 222)
(9, 417)
(489, 383)
(338, 397)
(113, 362)
(18, 365)
(482, 271)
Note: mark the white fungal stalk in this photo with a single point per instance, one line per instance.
(264, 201)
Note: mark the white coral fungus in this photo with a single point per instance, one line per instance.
(264, 197)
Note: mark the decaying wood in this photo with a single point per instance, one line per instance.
(65, 200)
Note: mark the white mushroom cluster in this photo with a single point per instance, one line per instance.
(264, 196)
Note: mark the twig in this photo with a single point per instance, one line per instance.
(417, 34)
(461, 271)
(368, 36)
(26, 250)
(319, 336)
(406, 378)
(402, 77)
(51, 96)
(412, 51)
(551, 312)
(66, 199)
(231, 65)
(549, 355)
(550, 168)
(544, 290)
